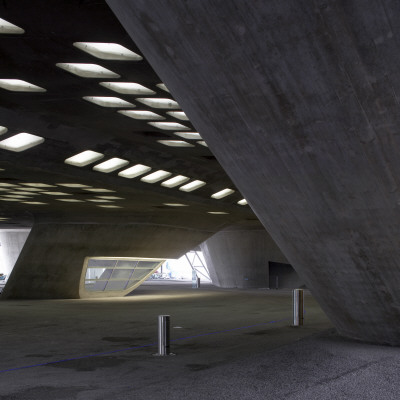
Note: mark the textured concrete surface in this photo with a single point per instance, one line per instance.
(11, 243)
(298, 102)
(270, 361)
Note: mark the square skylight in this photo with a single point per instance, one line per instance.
(111, 165)
(162, 87)
(178, 114)
(71, 200)
(222, 193)
(141, 114)
(189, 187)
(104, 101)
(108, 51)
(217, 212)
(158, 103)
(175, 143)
(57, 193)
(99, 190)
(20, 142)
(168, 126)
(188, 135)
(133, 172)
(73, 185)
(87, 70)
(242, 202)
(175, 205)
(3, 130)
(127, 88)
(156, 176)
(17, 85)
(85, 158)
(202, 143)
(175, 181)
(9, 28)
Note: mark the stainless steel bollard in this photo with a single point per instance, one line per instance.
(163, 335)
(298, 307)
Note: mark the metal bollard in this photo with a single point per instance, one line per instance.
(298, 307)
(163, 336)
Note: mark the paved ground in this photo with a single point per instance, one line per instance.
(264, 360)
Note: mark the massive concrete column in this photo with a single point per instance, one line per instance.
(298, 101)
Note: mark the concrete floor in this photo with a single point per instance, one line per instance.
(264, 360)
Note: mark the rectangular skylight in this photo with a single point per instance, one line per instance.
(175, 143)
(105, 101)
(140, 114)
(189, 187)
(87, 70)
(127, 88)
(242, 202)
(99, 190)
(85, 158)
(36, 203)
(71, 200)
(158, 103)
(16, 196)
(156, 176)
(9, 199)
(222, 193)
(20, 142)
(9, 28)
(108, 51)
(3, 130)
(217, 212)
(110, 197)
(18, 192)
(178, 114)
(175, 181)
(17, 85)
(73, 185)
(57, 193)
(108, 206)
(168, 126)
(100, 200)
(202, 143)
(175, 205)
(3, 184)
(133, 172)
(188, 135)
(162, 87)
(33, 187)
(111, 165)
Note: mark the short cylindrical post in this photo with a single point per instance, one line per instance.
(298, 307)
(163, 335)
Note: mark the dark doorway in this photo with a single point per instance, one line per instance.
(283, 276)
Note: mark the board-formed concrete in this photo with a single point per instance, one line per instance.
(298, 101)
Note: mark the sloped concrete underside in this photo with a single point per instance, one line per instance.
(298, 102)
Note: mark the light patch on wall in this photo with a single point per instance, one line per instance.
(3, 130)
(127, 88)
(9, 28)
(17, 85)
(222, 193)
(158, 103)
(105, 101)
(108, 51)
(156, 176)
(242, 202)
(162, 87)
(168, 126)
(87, 70)
(85, 158)
(111, 165)
(189, 187)
(202, 143)
(133, 172)
(20, 142)
(179, 115)
(175, 181)
(141, 114)
(188, 135)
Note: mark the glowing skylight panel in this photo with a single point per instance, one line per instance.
(189, 187)
(108, 206)
(175, 181)
(16, 196)
(36, 203)
(127, 88)
(85, 158)
(141, 114)
(57, 193)
(8, 185)
(175, 143)
(111, 165)
(34, 187)
(71, 200)
(202, 143)
(162, 87)
(87, 70)
(242, 202)
(9, 28)
(159, 103)
(3, 130)
(17, 85)
(103, 101)
(9, 199)
(133, 172)
(100, 200)
(73, 185)
(108, 51)
(30, 194)
(217, 212)
(222, 193)
(20, 142)
(156, 176)
(99, 190)
(110, 197)
(179, 115)
(168, 126)
(175, 205)
(188, 135)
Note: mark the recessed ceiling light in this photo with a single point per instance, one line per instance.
(8, 27)
(71, 200)
(34, 202)
(156, 176)
(18, 192)
(73, 185)
(188, 135)
(159, 103)
(108, 51)
(3, 218)
(162, 87)
(202, 143)
(134, 171)
(127, 88)
(3, 130)
(175, 143)
(16, 196)
(168, 126)
(175, 181)
(3, 184)
(100, 201)
(104, 101)
(87, 70)
(189, 187)
(108, 206)
(175, 205)
(178, 114)
(16, 85)
(57, 193)
(110, 165)
(110, 197)
(9, 199)
(217, 212)
(242, 202)
(20, 142)
(222, 193)
(85, 158)
(99, 190)
(139, 114)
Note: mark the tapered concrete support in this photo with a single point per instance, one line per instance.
(298, 101)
